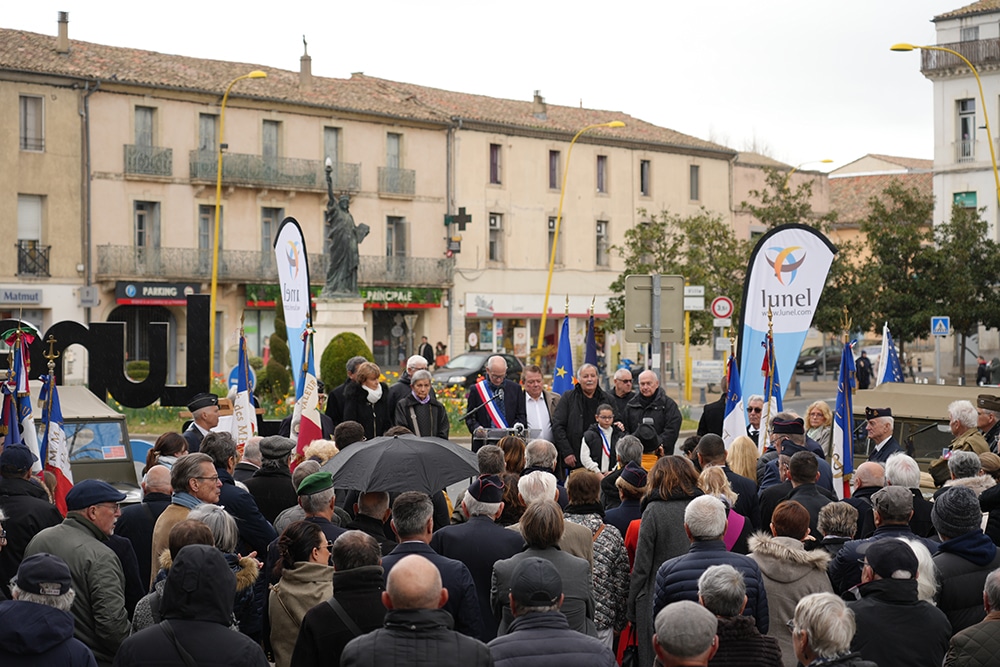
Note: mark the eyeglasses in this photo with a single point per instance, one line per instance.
(214, 478)
(328, 544)
(790, 624)
(754, 410)
(114, 507)
(3, 537)
(625, 381)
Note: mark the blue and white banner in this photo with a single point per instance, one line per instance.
(843, 427)
(889, 368)
(786, 274)
(734, 424)
(293, 275)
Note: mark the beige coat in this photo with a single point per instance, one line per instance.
(171, 516)
(300, 589)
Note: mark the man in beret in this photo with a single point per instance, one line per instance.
(895, 627)
(271, 486)
(36, 627)
(26, 505)
(479, 542)
(81, 541)
(540, 633)
(788, 437)
(205, 414)
(988, 422)
(883, 442)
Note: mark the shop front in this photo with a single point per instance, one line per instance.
(400, 316)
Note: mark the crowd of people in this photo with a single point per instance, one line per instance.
(595, 545)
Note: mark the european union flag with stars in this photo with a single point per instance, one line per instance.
(562, 378)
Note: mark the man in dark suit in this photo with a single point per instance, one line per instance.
(426, 351)
(539, 404)
(480, 542)
(712, 414)
(205, 413)
(508, 407)
(250, 462)
(622, 392)
(325, 422)
(884, 443)
(413, 523)
(137, 521)
(711, 451)
(335, 402)
(803, 470)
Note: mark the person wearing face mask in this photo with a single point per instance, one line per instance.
(367, 401)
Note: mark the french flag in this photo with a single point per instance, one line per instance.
(305, 417)
(54, 450)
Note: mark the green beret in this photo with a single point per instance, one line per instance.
(316, 482)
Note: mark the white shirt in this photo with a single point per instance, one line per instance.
(538, 415)
(585, 459)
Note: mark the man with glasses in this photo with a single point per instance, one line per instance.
(494, 402)
(622, 393)
(755, 405)
(80, 540)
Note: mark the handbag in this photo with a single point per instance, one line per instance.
(629, 650)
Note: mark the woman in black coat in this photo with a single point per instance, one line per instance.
(366, 401)
(420, 411)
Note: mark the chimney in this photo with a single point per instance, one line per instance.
(538, 108)
(62, 41)
(305, 72)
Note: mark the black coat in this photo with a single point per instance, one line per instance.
(514, 408)
(665, 414)
(546, 640)
(193, 437)
(572, 417)
(36, 635)
(888, 449)
(747, 502)
(438, 416)
(324, 635)
(376, 529)
(772, 495)
(462, 603)
(895, 628)
(273, 491)
(416, 637)
(28, 512)
(376, 418)
(256, 532)
(244, 471)
(197, 602)
(479, 543)
(809, 496)
(845, 569)
(861, 501)
(741, 644)
(962, 564)
(285, 428)
(619, 403)
(335, 402)
(711, 417)
(136, 524)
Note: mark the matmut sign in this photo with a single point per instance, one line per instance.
(154, 294)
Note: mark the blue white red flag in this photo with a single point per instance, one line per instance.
(306, 414)
(843, 426)
(562, 378)
(734, 424)
(772, 392)
(889, 368)
(244, 423)
(54, 448)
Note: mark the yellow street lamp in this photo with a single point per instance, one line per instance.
(982, 98)
(555, 236)
(256, 74)
(784, 185)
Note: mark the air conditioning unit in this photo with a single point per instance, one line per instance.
(495, 221)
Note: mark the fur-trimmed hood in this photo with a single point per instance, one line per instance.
(785, 559)
(245, 568)
(979, 483)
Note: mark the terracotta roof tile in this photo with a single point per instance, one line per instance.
(849, 195)
(981, 7)
(758, 160)
(33, 52)
(906, 162)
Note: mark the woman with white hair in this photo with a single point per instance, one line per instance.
(420, 411)
(822, 630)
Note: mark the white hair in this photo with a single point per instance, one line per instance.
(416, 362)
(828, 623)
(926, 574)
(61, 602)
(964, 412)
(476, 507)
(536, 486)
(705, 517)
(902, 470)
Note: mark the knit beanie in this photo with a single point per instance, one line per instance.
(956, 512)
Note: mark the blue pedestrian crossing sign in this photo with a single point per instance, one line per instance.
(940, 326)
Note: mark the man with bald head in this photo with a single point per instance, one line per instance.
(867, 480)
(653, 403)
(417, 630)
(494, 402)
(137, 521)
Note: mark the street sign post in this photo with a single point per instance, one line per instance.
(639, 308)
(940, 327)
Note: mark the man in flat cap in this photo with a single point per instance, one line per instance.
(988, 423)
(271, 486)
(36, 627)
(81, 541)
(205, 413)
(540, 633)
(883, 442)
(480, 542)
(685, 634)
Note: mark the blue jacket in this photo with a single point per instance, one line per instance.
(845, 569)
(677, 579)
(255, 531)
(34, 635)
(545, 639)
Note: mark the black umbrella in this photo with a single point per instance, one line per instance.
(402, 463)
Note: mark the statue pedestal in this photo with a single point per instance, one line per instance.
(336, 315)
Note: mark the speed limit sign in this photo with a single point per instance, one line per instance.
(722, 307)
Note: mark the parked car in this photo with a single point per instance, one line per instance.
(468, 368)
(812, 358)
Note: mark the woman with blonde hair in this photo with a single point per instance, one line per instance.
(713, 482)
(742, 457)
(819, 418)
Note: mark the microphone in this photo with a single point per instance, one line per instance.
(494, 397)
(499, 395)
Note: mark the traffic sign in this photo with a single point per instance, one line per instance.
(639, 309)
(722, 306)
(940, 325)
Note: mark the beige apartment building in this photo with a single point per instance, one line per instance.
(142, 129)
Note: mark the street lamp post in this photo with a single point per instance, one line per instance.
(256, 74)
(555, 236)
(784, 185)
(982, 99)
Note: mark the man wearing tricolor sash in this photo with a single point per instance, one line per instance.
(494, 402)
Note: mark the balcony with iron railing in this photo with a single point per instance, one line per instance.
(965, 150)
(979, 52)
(395, 182)
(279, 172)
(148, 160)
(239, 266)
(32, 258)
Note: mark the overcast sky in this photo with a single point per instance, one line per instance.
(804, 80)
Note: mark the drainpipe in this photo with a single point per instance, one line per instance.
(88, 265)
